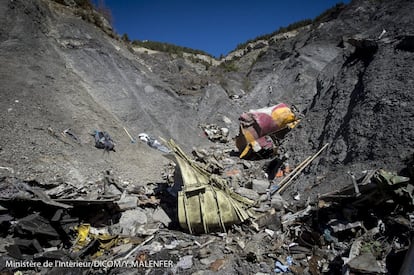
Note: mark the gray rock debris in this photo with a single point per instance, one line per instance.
(248, 193)
(185, 262)
(130, 219)
(277, 202)
(159, 215)
(260, 186)
(127, 202)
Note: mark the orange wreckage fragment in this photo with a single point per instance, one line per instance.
(258, 126)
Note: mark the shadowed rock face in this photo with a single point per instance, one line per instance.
(59, 71)
(359, 100)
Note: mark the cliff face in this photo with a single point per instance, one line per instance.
(352, 79)
(351, 82)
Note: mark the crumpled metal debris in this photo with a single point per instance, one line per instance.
(373, 241)
(103, 141)
(353, 230)
(153, 142)
(258, 126)
(185, 262)
(16, 190)
(91, 241)
(206, 203)
(211, 162)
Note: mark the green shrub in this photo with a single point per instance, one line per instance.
(290, 27)
(229, 66)
(329, 14)
(84, 4)
(125, 38)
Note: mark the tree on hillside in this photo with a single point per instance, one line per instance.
(125, 38)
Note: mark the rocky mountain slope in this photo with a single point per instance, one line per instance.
(64, 74)
(352, 80)
(351, 83)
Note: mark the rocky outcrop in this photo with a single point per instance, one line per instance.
(351, 80)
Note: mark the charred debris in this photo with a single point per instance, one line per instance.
(220, 210)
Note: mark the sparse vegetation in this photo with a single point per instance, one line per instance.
(290, 27)
(98, 15)
(329, 14)
(125, 38)
(84, 4)
(166, 47)
(247, 85)
(104, 11)
(229, 66)
(195, 60)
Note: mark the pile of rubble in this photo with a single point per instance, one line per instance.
(215, 212)
(118, 227)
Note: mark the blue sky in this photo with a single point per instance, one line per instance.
(213, 26)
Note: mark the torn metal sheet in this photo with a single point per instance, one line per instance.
(206, 203)
(95, 244)
(291, 217)
(82, 202)
(376, 187)
(16, 191)
(338, 227)
(35, 224)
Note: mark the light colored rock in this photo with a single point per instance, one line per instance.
(263, 198)
(248, 193)
(130, 219)
(185, 262)
(227, 120)
(208, 261)
(260, 186)
(127, 202)
(159, 215)
(277, 202)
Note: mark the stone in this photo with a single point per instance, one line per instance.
(130, 219)
(122, 249)
(159, 215)
(277, 202)
(227, 120)
(269, 221)
(217, 265)
(208, 261)
(127, 202)
(204, 252)
(263, 198)
(247, 193)
(185, 262)
(365, 263)
(260, 186)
